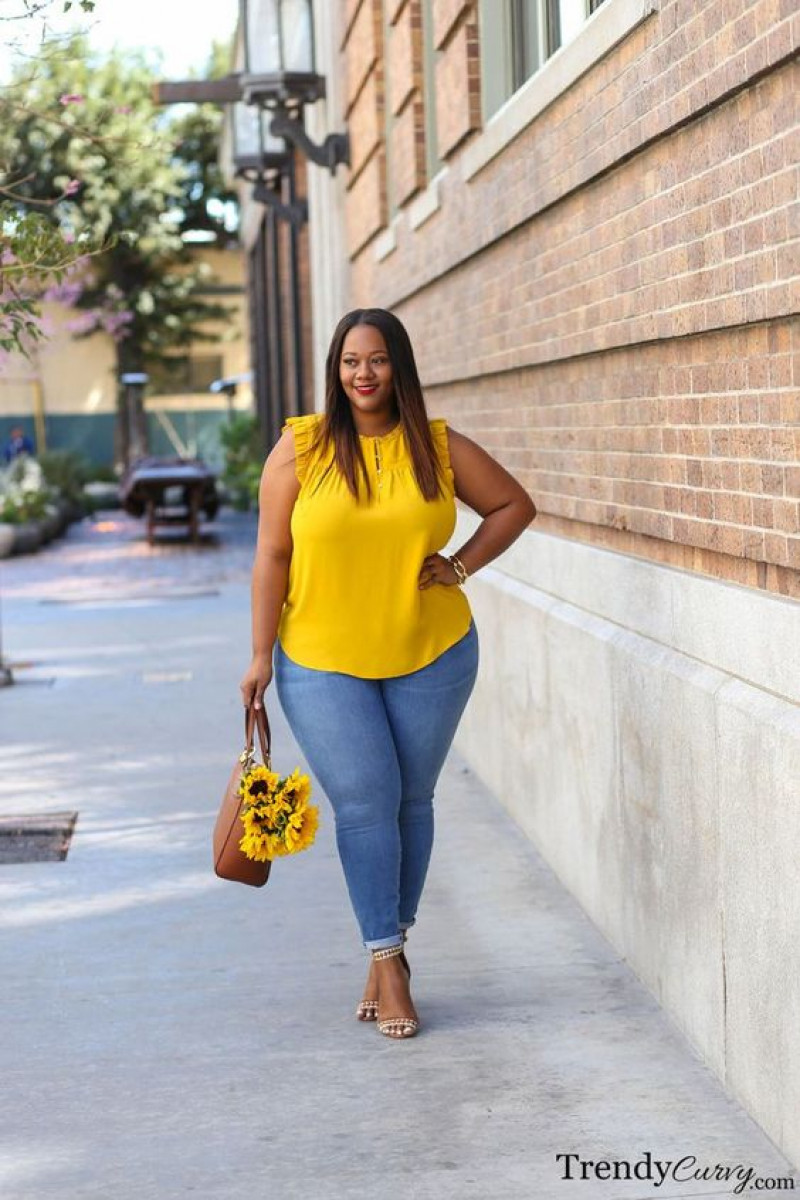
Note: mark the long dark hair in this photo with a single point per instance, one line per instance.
(337, 425)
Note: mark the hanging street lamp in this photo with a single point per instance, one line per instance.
(263, 160)
(279, 77)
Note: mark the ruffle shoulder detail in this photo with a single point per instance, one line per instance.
(303, 428)
(438, 426)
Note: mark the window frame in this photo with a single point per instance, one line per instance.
(613, 21)
(514, 52)
(433, 163)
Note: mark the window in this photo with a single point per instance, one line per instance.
(185, 375)
(518, 36)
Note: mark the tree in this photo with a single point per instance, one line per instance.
(207, 202)
(89, 130)
(33, 249)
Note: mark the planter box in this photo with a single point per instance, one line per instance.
(50, 523)
(6, 540)
(27, 537)
(70, 511)
(64, 511)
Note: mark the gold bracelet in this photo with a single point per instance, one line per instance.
(459, 568)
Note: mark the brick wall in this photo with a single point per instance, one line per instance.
(610, 305)
(458, 95)
(405, 95)
(365, 99)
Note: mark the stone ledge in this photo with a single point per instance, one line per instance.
(750, 635)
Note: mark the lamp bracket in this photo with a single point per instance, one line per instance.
(334, 150)
(256, 166)
(296, 214)
(272, 89)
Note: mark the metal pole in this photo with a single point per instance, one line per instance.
(134, 382)
(276, 335)
(6, 676)
(294, 295)
(38, 416)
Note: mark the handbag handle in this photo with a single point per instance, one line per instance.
(257, 717)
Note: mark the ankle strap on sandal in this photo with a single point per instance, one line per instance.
(387, 952)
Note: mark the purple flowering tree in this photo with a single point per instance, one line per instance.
(34, 248)
(85, 129)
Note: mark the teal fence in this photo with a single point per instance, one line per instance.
(92, 435)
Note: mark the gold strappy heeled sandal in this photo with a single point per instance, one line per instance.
(368, 1009)
(395, 1027)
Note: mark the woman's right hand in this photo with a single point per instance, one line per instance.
(256, 680)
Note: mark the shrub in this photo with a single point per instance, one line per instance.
(244, 459)
(24, 494)
(101, 474)
(66, 471)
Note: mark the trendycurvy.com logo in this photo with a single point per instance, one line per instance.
(681, 1170)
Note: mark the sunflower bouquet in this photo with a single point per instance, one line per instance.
(275, 813)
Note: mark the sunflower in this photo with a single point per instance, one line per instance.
(297, 786)
(255, 818)
(301, 828)
(256, 846)
(276, 816)
(258, 784)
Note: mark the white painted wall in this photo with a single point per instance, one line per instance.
(641, 723)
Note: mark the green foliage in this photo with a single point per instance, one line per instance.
(96, 473)
(24, 493)
(16, 510)
(87, 129)
(34, 253)
(66, 471)
(205, 200)
(244, 459)
(20, 329)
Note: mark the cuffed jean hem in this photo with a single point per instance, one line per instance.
(382, 943)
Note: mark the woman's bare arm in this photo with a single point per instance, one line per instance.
(276, 496)
(488, 488)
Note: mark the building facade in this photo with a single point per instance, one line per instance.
(587, 217)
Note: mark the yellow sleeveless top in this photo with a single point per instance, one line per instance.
(352, 602)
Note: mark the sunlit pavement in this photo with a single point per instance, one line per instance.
(109, 553)
(168, 1034)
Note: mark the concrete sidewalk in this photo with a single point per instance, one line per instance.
(168, 1034)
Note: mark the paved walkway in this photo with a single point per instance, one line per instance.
(167, 1034)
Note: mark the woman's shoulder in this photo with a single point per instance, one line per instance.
(302, 429)
(302, 424)
(439, 427)
(443, 431)
(440, 433)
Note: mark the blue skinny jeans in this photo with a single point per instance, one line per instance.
(377, 747)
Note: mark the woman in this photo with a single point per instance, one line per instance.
(375, 650)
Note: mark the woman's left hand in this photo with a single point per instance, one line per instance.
(437, 569)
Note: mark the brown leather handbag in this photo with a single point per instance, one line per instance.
(229, 861)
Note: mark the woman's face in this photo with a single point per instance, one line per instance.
(365, 371)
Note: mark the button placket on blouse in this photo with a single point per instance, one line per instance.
(378, 464)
